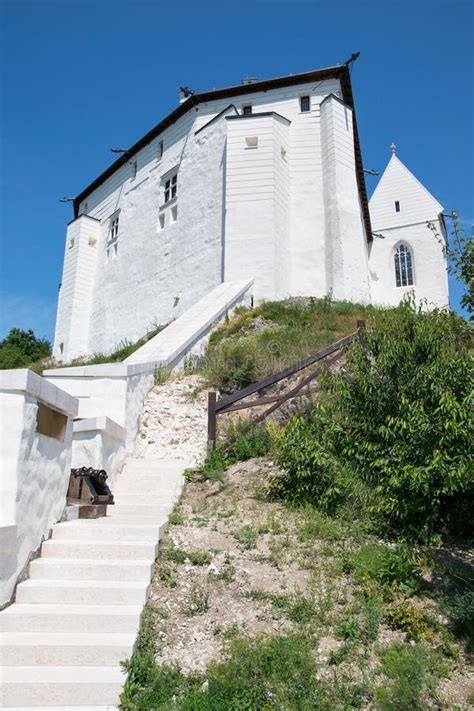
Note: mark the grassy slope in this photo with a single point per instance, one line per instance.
(334, 619)
(256, 342)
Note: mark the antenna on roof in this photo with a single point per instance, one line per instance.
(66, 199)
(352, 58)
(393, 148)
(119, 150)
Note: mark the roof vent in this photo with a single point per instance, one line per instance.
(249, 80)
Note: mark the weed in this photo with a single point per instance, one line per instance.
(348, 629)
(405, 615)
(176, 555)
(162, 375)
(389, 568)
(167, 577)
(314, 525)
(247, 537)
(176, 516)
(200, 557)
(411, 675)
(198, 601)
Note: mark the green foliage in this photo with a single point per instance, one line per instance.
(256, 342)
(198, 601)
(460, 254)
(405, 615)
(21, 348)
(239, 443)
(247, 537)
(411, 674)
(122, 351)
(395, 438)
(460, 610)
(391, 568)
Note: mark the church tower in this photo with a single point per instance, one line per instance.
(405, 256)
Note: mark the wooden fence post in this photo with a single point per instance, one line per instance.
(361, 332)
(211, 420)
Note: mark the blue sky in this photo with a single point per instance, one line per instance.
(80, 76)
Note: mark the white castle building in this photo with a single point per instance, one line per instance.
(259, 181)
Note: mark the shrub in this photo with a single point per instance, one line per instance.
(411, 673)
(396, 436)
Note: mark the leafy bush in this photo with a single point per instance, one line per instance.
(20, 348)
(396, 436)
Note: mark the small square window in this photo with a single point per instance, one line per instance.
(305, 104)
(251, 142)
(247, 110)
(397, 206)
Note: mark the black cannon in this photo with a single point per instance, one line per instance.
(88, 489)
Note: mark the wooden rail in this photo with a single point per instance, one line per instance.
(227, 404)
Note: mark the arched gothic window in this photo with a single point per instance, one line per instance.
(403, 266)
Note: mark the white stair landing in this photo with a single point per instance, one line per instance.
(76, 617)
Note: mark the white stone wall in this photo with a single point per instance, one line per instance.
(163, 267)
(35, 470)
(100, 443)
(256, 226)
(429, 266)
(346, 242)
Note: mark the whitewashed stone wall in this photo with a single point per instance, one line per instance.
(35, 469)
(255, 214)
(99, 442)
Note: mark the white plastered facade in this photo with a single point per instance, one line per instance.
(271, 197)
(401, 210)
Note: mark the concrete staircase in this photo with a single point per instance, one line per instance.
(77, 616)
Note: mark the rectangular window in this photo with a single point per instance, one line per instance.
(160, 149)
(171, 188)
(305, 104)
(134, 165)
(247, 110)
(397, 206)
(114, 228)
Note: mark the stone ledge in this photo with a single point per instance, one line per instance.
(26, 381)
(102, 424)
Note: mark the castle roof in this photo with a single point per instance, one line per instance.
(340, 72)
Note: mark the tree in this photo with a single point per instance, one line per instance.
(460, 253)
(20, 348)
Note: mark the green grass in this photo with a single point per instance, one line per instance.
(255, 342)
(258, 674)
(411, 674)
(123, 350)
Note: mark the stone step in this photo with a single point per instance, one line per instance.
(60, 686)
(130, 499)
(140, 510)
(94, 530)
(65, 648)
(70, 618)
(82, 592)
(83, 569)
(100, 550)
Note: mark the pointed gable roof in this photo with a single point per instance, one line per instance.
(398, 184)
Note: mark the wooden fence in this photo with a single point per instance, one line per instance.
(231, 403)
